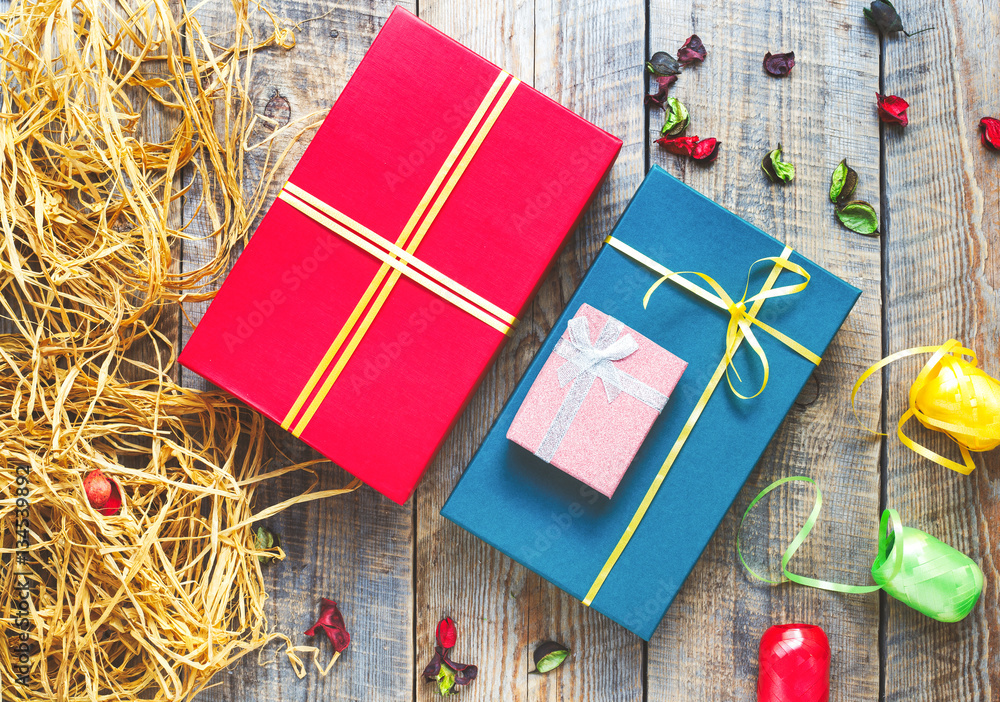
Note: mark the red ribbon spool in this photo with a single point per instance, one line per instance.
(794, 664)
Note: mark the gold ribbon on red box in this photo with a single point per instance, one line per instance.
(398, 258)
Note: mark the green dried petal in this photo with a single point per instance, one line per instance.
(265, 540)
(446, 681)
(663, 64)
(842, 183)
(859, 217)
(549, 655)
(551, 661)
(775, 169)
(677, 118)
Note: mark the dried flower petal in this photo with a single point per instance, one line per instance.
(114, 503)
(859, 217)
(991, 132)
(706, 150)
(464, 673)
(447, 673)
(446, 681)
(434, 667)
(659, 98)
(692, 51)
(892, 109)
(682, 146)
(677, 118)
(265, 540)
(97, 487)
(549, 655)
(663, 64)
(842, 183)
(447, 633)
(331, 621)
(103, 493)
(776, 170)
(779, 64)
(885, 18)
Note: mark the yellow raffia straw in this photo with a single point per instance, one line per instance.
(153, 601)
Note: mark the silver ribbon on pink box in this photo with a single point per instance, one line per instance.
(587, 361)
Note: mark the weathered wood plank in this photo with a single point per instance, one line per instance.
(589, 58)
(942, 195)
(355, 549)
(707, 647)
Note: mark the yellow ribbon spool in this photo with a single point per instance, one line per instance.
(950, 394)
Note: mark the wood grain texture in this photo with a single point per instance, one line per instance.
(588, 56)
(355, 549)
(942, 194)
(706, 649)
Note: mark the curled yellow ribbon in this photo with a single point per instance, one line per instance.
(950, 394)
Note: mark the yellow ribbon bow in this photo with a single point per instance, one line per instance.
(741, 319)
(950, 394)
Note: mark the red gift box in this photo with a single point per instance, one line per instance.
(410, 236)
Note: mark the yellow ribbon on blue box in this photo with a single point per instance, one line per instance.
(742, 319)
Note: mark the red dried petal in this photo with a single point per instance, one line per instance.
(114, 503)
(692, 51)
(682, 146)
(779, 64)
(991, 132)
(706, 150)
(447, 633)
(331, 621)
(892, 109)
(97, 487)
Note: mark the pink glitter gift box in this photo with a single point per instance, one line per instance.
(595, 399)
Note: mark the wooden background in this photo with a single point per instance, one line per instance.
(396, 570)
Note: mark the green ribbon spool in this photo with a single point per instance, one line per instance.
(913, 567)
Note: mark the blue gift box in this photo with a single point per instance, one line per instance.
(564, 530)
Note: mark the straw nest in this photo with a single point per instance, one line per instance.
(154, 600)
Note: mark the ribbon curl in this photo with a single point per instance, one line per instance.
(913, 567)
(951, 395)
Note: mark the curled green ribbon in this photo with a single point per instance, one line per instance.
(911, 566)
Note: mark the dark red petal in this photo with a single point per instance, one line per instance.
(331, 621)
(114, 503)
(682, 146)
(660, 97)
(464, 672)
(447, 633)
(434, 667)
(706, 150)
(692, 51)
(991, 132)
(779, 64)
(892, 109)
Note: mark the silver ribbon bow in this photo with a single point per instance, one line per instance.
(595, 358)
(587, 361)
